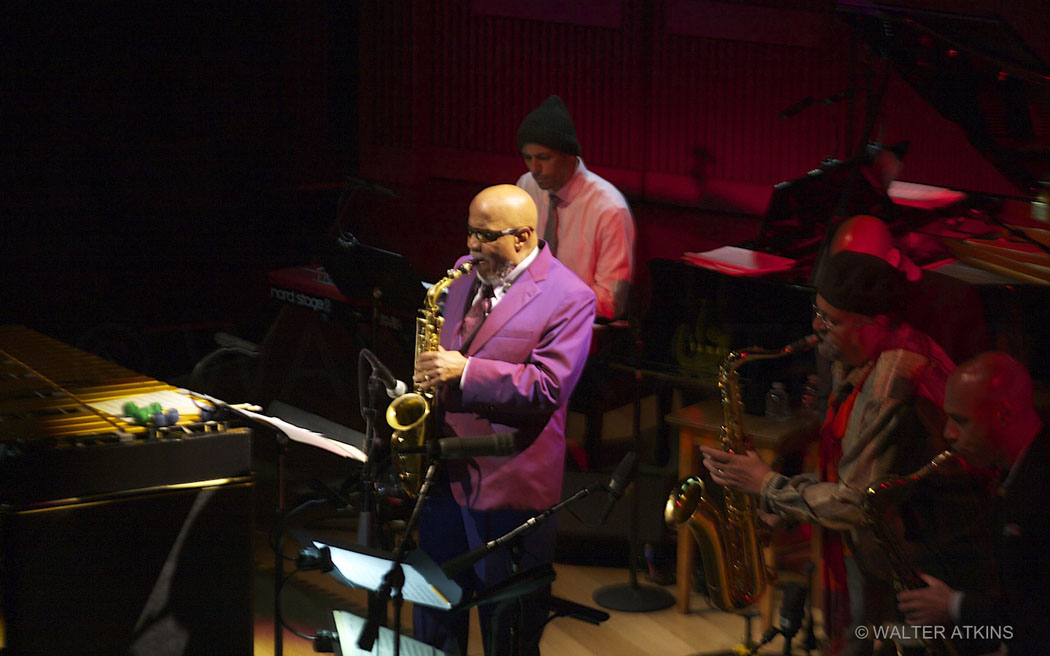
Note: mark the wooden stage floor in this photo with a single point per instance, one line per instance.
(309, 598)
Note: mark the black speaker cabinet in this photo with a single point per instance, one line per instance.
(164, 572)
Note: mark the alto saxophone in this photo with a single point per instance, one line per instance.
(722, 520)
(410, 414)
(878, 499)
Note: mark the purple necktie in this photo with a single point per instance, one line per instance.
(550, 230)
(476, 315)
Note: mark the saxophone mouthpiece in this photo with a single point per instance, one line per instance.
(803, 344)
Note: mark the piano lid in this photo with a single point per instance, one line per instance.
(975, 71)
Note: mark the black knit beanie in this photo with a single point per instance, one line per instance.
(550, 125)
(861, 283)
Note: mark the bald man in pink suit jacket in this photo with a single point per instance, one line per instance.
(513, 374)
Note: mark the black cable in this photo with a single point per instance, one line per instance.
(319, 560)
(280, 616)
(278, 527)
(198, 369)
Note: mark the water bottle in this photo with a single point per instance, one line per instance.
(810, 406)
(778, 405)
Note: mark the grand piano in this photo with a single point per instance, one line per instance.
(986, 261)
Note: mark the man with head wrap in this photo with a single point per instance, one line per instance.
(883, 417)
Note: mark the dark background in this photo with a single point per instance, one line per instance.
(158, 160)
(150, 162)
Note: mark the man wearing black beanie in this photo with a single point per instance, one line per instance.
(884, 417)
(583, 218)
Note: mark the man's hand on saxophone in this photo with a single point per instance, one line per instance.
(437, 368)
(929, 606)
(743, 472)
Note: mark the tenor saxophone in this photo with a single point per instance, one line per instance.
(879, 498)
(410, 415)
(723, 520)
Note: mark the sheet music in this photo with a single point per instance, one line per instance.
(349, 626)
(736, 261)
(914, 194)
(306, 436)
(366, 571)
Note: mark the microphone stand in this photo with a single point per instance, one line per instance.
(810, 641)
(369, 403)
(369, 407)
(634, 597)
(459, 564)
(278, 566)
(394, 579)
(517, 630)
(456, 566)
(872, 108)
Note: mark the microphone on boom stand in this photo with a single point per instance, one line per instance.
(621, 478)
(459, 448)
(394, 387)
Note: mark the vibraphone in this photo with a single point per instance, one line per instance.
(115, 535)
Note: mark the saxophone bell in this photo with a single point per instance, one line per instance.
(407, 415)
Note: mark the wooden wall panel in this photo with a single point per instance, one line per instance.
(674, 100)
(492, 70)
(716, 104)
(387, 73)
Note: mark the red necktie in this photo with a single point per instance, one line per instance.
(476, 315)
(550, 230)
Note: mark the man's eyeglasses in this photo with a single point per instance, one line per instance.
(486, 236)
(823, 318)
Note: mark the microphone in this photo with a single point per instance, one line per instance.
(458, 448)
(618, 483)
(394, 387)
(797, 107)
(792, 608)
(456, 566)
(839, 96)
(768, 636)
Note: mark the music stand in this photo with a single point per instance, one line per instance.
(344, 442)
(317, 431)
(801, 211)
(360, 566)
(347, 624)
(360, 271)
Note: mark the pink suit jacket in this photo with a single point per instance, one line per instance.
(524, 363)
